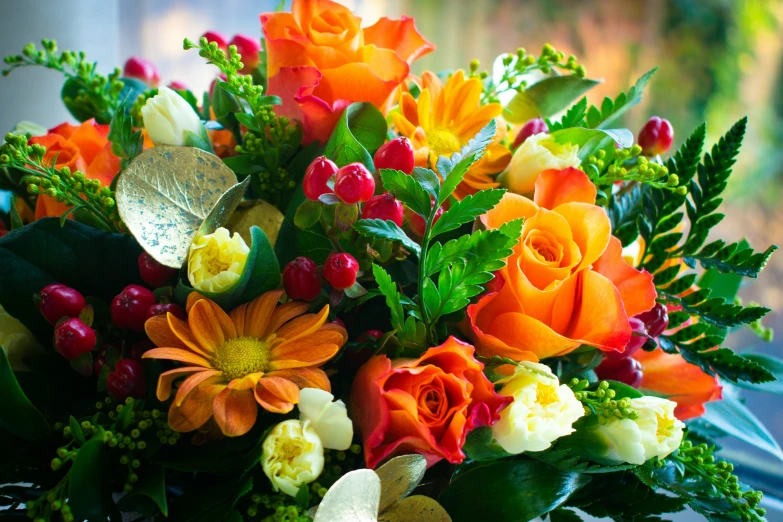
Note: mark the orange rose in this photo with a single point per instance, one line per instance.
(682, 382)
(84, 147)
(320, 60)
(566, 284)
(426, 405)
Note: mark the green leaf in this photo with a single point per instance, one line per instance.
(611, 110)
(563, 515)
(734, 418)
(303, 496)
(310, 242)
(590, 141)
(732, 259)
(481, 446)
(428, 180)
(88, 494)
(125, 142)
(453, 168)
(574, 117)
(408, 190)
(76, 430)
(546, 98)
(95, 262)
(261, 274)
(774, 366)
(307, 214)
(152, 486)
(359, 132)
(378, 228)
(17, 413)
(389, 291)
(508, 491)
(16, 219)
(467, 210)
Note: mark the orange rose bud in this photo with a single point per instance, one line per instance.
(566, 284)
(426, 405)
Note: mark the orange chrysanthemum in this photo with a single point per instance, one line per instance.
(443, 119)
(260, 353)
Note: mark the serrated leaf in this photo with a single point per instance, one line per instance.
(611, 110)
(467, 210)
(453, 168)
(428, 179)
(389, 291)
(378, 228)
(166, 193)
(408, 190)
(574, 117)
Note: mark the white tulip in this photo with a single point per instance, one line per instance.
(329, 418)
(167, 116)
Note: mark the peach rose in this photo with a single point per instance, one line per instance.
(84, 147)
(320, 60)
(426, 405)
(566, 284)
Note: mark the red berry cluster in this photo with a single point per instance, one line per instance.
(301, 280)
(620, 366)
(154, 273)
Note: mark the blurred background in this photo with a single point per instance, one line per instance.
(718, 61)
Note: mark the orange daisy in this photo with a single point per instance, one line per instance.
(261, 353)
(443, 119)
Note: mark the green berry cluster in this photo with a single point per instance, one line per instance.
(602, 401)
(72, 188)
(135, 110)
(518, 65)
(277, 507)
(699, 461)
(96, 95)
(629, 165)
(50, 504)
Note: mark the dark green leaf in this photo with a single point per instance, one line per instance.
(508, 491)
(481, 446)
(151, 486)
(428, 179)
(88, 494)
(546, 98)
(126, 143)
(378, 228)
(564, 515)
(408, 190)
(389, 291)
(359, 132)
(17, 413)
(467, 210)
(574, 117)
(774, 366)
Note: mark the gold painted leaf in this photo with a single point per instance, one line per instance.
(224, 208)
(256, 213)
(165, 195)
(399, 477)
(353, 498)
(417, 508)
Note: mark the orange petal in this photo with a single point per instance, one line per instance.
(259, 312)
(591, 230)
(526, 334)
(400, 36)
(235, 411)
(177, 354)
(283, 314)
(181, 329)
(166, 379)
(210, 325)
(159, 332)
(512, 206)
(196, 410)
(193, 298)
(305, 377)
(310, 350)
(373, 80)
(245, 383)
(104, 167)
(636, 287)
(303, 325)
(276, 394)
(196, 380)
(555, 187)
(599, 317)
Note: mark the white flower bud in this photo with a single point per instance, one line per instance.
(538, 153)
(329, 419)
(167, 116)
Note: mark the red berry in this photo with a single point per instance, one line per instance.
(126, 380)
(143, 70)
(58, 301)
(249, 48)
(316, 176)
(73, 338)
(656, 136)
(531, 128)
(354, 183)
(370, 335)
(162, 309)
(178, 86)
(396, 154)
(638, 338)
(627, 371)
(416, 222)
(100, 362)
(384, 206)
(129, 308)
(300, 279)
(340, 270)
(656, 320)
(218, 38)
(152, 272)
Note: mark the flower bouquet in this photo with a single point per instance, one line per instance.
(331, 290)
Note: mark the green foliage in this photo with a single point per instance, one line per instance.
(88, 494)
(732, 417)
(611, 110)
(126, 143)
(574, 117)
(359, 132)
(17, 414)
(467, 210)
(452, 169)
(546, 98)
(90, 202)
(378, 228)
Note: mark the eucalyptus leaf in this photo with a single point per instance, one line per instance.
(399, 477)
(224, 208)
(546, 98)
(257, 213)
(418, 507)
(166, 193)
(353, 498)
(590, 141)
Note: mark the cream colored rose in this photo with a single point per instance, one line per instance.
(655, 433)
(538, 153)
(329, 419)
(293, 455)
(543, 410)
(167, 116)
(216, 261)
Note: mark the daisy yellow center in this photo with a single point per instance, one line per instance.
(443, 142)
(241, 356)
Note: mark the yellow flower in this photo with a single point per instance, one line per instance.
(443, 119)
(538, 153)
(293, 455)
(216, 261)
(543, 409)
